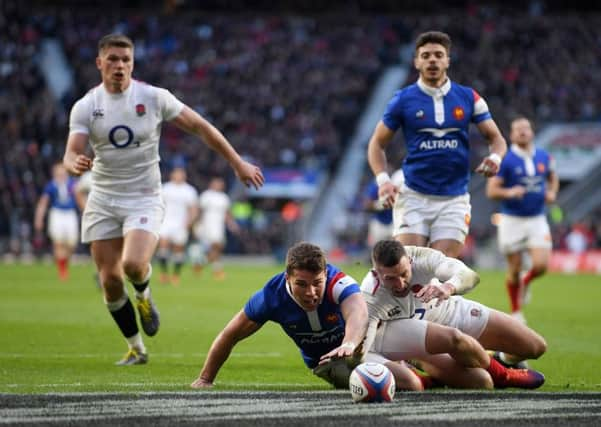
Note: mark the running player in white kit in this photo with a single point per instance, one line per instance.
(215, 215)
(121, 119)
(181, 211)
(412, 296)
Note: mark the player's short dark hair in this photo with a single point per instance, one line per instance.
(437, 37)
(305, 256)
(388, 253)
(114, 40)
(517, 117)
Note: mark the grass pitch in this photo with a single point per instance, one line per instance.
(58, 336)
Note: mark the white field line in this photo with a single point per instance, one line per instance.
(104, 355)
(165, 384)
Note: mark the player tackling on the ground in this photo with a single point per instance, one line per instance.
(316, 304)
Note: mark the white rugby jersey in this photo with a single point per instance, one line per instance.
(426, 264)
(124, 130)
(214, 205)
(178, 198)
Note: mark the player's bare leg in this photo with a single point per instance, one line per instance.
(508, 335)
(107, 255)
(446, 370)
(214, 258)
(410, 239)
(469, 353)
(138, 248)
(449, 247)
(540, 261)
(404, 377)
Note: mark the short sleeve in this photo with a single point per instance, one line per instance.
(393, 118)
(169, 104)
(79, 120)
(256, 308)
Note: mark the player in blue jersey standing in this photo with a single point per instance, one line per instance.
(433, 206)
(525, 183)
(316, 304)
(58, 199)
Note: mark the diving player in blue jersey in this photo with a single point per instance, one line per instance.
(525, 183)
(434, 114)
(318, 306)
(58, 199)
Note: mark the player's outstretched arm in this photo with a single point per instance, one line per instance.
(192, 122)
(354, 311)
(74, 160)
(40, 212)
(236, 330)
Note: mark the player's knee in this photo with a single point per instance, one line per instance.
(134, 269)
(483, 380)
(539, 269)
(539, 347)
(112, 284)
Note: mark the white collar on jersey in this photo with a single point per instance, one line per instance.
(435, 91)
(519, 151)
(527, 156)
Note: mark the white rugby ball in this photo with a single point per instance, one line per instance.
(372, 382)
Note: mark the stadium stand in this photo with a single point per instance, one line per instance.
(286, 89)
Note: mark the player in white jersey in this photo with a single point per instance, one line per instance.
(412, 296)
(210, 230)
(121, 119)
(181, 211)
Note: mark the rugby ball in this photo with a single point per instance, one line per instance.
(372, 382)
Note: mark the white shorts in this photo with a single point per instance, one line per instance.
(377, 231)
(436, 217)
(517, 233)
(399, 339)
(210, 233)
(174, 232)
(109, 217)
(405, 339)
(63, 226)
(470, 317)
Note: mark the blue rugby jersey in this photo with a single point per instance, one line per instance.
(435, 124)
(315, 333)
(62, 196)
(530, 170)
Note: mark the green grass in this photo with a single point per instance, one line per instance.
(58, 337)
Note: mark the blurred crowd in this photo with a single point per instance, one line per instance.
(285, 90)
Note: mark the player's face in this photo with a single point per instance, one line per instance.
(521, 132)
(432, 62)
(307, 288)
(116, 65)
(396, 278)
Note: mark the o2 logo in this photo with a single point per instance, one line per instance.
(117, 134)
